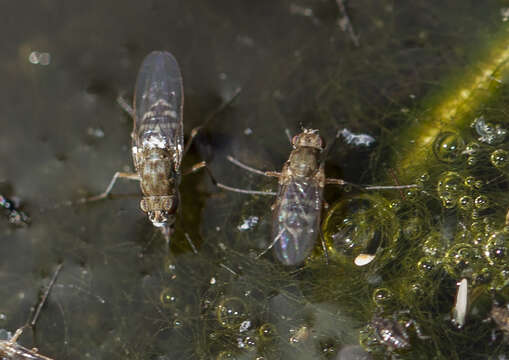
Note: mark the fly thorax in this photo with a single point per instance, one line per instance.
(160, 209)
(303, 161)
(157, 174)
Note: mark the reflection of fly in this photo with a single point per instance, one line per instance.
(157, 138)
(299, 201)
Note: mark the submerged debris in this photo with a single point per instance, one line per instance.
(14, 215)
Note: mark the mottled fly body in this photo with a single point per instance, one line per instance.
(157, 138)
(299, 200)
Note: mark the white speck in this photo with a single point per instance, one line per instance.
(356, 139)
(245, 325)
(212, 280)
(411, 96)
(300, 10)
(222, 76)
(240, 343)
(98, 133)
(222, 246)
(248, 223)
(245, 40)
(40, 58)
(3, 316)
(505, 14)
(404, 110)
(248, 131)
(21, 295)
(155, 141)
(218, 228)
(363, 259)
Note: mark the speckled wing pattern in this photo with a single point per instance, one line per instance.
(158, 106)
(296, 220)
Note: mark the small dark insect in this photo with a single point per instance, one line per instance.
(158, 139)
(393, 332)
(299, 200)
(15, 216)
(10, 349)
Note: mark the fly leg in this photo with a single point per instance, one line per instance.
(251, 169)
(211, 116)
(276, 239)
(118, 174)
(324, 247)
(125, 105)
(203, 165)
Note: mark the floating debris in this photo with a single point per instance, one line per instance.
(39, 58)
(356, 139)
(15, 216)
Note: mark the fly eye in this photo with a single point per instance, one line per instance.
(143, 205)
(295, 139)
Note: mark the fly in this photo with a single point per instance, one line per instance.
(158, 138)
(299, 200)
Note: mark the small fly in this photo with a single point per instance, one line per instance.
(158, 138)
(299, 200)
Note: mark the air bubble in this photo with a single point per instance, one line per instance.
(447, 146)
(500, 159)
(495, 250)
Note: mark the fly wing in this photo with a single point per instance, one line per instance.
(158, 105)
(296, 220)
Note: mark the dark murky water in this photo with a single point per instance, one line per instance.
(63, 136)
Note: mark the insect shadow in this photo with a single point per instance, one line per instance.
(296, 213)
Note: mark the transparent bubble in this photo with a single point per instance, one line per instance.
(168, 297)
(450, 187)
(466, 202)
(413, 228)
(382, 297)
(460, 259)
(447, 146)
(470, 181)
(433, 245)
(267, 332)
(426, 265)
(472, 148)
(361, 224)
(482, 202)
(231, 312)
(500, 159)
(489, 133)
(472, 160)
(496, 248)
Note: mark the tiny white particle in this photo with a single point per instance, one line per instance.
(245, 325)
(363, 259)
(39, 58)
(212, 280)
(248, 131)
